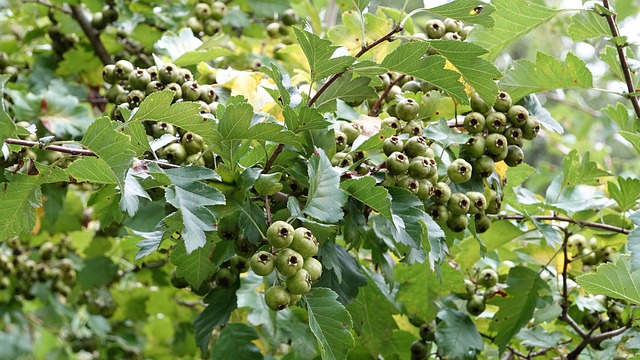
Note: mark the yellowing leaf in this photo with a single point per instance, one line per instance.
(501, 169)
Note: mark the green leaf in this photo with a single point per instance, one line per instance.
(236, 339)
(346, 89)
(539, 337)
(268, 184)
(93, 170)
(409, 59)
(361, 4)
(330, 322)
(633, 245)
(325, 199)
(513, 20)
(7, 127)
(342, 273)
(221, 302)
(399, 346)
(532, 103)
(633, 138)
(547, 73)
(365, 190)
(105, 205)
(444, 135)
(319, 54)
(420, 288)
(373, 318)
(610, 56)
(587, 25)
(626, 193)
(617, 281)
(468, 251)
(194, 267)
(407, 227)
(197, 56)
(186, 115)
(20, 197)
(620, 114)
(192, 197)
(576, 172)
(516, 309)
(467, 11)
(305, 119)
(476, 71)
(235, 123)
(96, 272)
(457, 335)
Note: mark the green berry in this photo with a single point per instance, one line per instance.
(304, 242)
(109, 75)
(239, 264)
(494, 203)
(135, 97)
(341, 141)
(483, 222)
(299, 283)
(530, 128)
(202, 11)
(419, 349)
(277, 298)
(417, 146)
(190, 91)
(496, 143)
(352, 130)
(192, 142)
(397, 163)
(177, 281)
(407, 109)
(478, 202)
(409, 183)
(290, 17)
(488, 278)
(342, 159)
(139, 79)
(289, 262)
(122, 69)
(474, 122)
(515, 156)
(453, 25)
(496, 122)
(212, 27)
(225, 277)
(428, 331)
(162, 128)
(517, 115)
(514, 136)
(218, 10)
(195, 25)
(168, 73)
(435, 29)
(503, 102)
(441, 193)
(413, 128)
(459, 204)
(475, 146)
(425, 189)
(457, 222)
(476, 305)
(392, 144)
(391, 122)
(420, 167)
(411, 86)
(174, 153)
(262, 263)
(478, 104)
(154, 86)
(313, 267)
(438, 213)
(280, 234)
(459, 171)
(177, 90)
(98, 21)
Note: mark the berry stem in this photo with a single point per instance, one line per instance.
(93, 35)
(581, 223)
(613, 26)
(376, 106)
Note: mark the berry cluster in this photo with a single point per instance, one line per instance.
(421, 348)
(101, 19)
(447, 29)
(344, 157)
(227, 274)
(476, 297)
(608, 320)
(295, 267)
(130, 86)
(6, 68)
(589, 252)
(206, 17)
(48, 263)
(281, 29)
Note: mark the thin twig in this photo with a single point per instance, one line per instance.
(267, 208)
(584, 108)
(581, 223)
(385, 93)
(613, 26)
(93, 35)
(594, 339)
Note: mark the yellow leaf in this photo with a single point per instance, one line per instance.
(501, 169)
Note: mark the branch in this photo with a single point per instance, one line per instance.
(594, 339)
(92, 34)
(580, 223)
(376, 106)
(74, 151)
(613, 26)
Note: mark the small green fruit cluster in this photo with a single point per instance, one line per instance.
(477, 292)
(410, 165)
(447, 29)
(497, 133)
(226, 276)
(421, 348)
(611, 319)
(26, 266)
(344, 157)
(589, 251)
(106, 16)
(98, 304)
(6, 68)
(206, 16)
(281, 28)
(292, 260)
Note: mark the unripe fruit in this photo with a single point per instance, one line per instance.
(457, 223)
(212, 27)
(590, 320)
(428, 331)
(425, 189)
(243, 247)
(531, 128)
(122, 69)
(352, 130)
(190, 91)
(195, 25)
(397, 163)
(304, 242)
(218, 10)
(451, 36)
(154, 86)
(464, 33)
(109, 13)
(178, 281)
(576, 242)
(494, 203)
(441, 193)
(474, 122)
(420, 167)
(313, 267)
(202, 11)
(503, 102)
(488, 278)
(239, 264)
(342, 159)
(135, 97)
(459, 204)
(476, 305)
(168, 73)
(419, 349)
(290, 17)
(514, 136)
(299, 283)
(174, 153)
(483, 222)
(294, 299)
(208, 93)
(496, 122)
(438, 213)
(277, 297)
(453, 25)
(407, 109)
(413, 128)
(108, 74)
(162, 128)
(501, 156)
(192, 142)
(478, 202)
(479, 105)
(273, 30)
(177, 90)
(517, 115)
(262, 263)
(411, 86)
(280, 234)
(475, 146)
(409, 183)
(515, 156)
(225, 277)
(496, 144)
(391, 122)
(435, 29)
(417, 146)
(459, 171)
(392, 144)
(139, 79)
(288, 262)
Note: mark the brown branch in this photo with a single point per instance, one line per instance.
(580, 223)
(385, 93)
(93, 35)
(49, 5)
(593, 339)
(267, 208)
(613, 26)
(74, 151)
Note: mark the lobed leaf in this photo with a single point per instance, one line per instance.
(587, 25)
(325, 199)
(615, 280)
(330, 322)
(195, 267)
(457, 335)
(626, 193)
(237, 339)
(221, 302)
(468, 11)
(320, 55)
(365, 190)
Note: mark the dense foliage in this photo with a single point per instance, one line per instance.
(319, 179)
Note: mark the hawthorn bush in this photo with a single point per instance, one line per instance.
(320, 179)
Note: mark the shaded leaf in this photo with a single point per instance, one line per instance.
(195, 267)
(221, 302)
(468, 11)
(365, 190)
(587, 25)
(457, 336)
(330, 322)
(444, 135)
(539, 337)
(347, 89)
(96, 272)
(236, 339)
